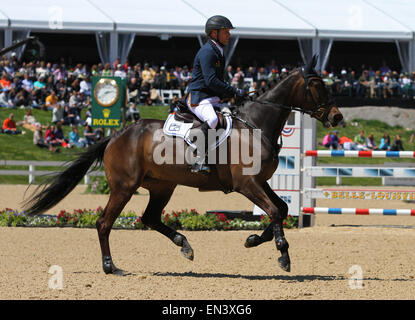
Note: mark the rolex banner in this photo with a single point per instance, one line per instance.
(108, 99)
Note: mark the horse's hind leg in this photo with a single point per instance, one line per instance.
(160, 195)
(115, 204)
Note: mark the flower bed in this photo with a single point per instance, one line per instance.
(178, 220)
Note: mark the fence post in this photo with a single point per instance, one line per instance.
(31, 173)
(86, 179)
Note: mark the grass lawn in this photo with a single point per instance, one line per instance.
(20, 147)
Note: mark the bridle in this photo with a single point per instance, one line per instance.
(320, 111)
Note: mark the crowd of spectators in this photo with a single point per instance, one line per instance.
(381, 83)
(66, 90)
(360, 142)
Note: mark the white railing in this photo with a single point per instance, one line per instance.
(32, 172)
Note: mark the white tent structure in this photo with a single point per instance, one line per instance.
(315, 24)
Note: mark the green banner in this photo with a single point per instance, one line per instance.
(108, 101)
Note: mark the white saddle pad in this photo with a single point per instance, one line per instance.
(175, 128)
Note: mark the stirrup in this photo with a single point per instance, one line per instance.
(200, 166)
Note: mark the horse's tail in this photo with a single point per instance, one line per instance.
(61, 184)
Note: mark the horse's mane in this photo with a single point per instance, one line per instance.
(308, 70)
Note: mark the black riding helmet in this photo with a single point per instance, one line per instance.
(217, 22)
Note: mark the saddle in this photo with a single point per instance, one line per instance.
(183, 114)
(183, 121)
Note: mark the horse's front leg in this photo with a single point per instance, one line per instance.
(277, 226)
(255, 240)
(263, 196)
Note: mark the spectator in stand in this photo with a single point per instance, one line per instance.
(57, 114)
(148, 74)
(370, 142)
(29, 121)
(27, 84)
(384, 69)
(5, 82)
(397, 144)
(335, 139)
(50, 137)
(160, 79)
(39, 141)
(59, 135)
(74, 139)
(360, 140)
(132, 113)
(238, 79)
(185, 76)
(9, 125)
(327, 140)
(228, 76)
(133, 90)
(85, 86)
(61, 90)
(95, 71)
(385, 142)
(5, 100)
(89, 135)
(366, 86)
(51, 100)
(250, 73)
(172, 80)
(107, 72)
(120, 72)
(262, 75)
(145, 93)
(42, 71)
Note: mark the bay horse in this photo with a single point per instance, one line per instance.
(128, 161)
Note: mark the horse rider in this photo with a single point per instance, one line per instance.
(207, 86)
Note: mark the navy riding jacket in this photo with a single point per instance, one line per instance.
(207, 77)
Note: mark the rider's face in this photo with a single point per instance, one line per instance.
(224, 35)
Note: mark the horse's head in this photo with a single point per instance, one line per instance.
(316, 100)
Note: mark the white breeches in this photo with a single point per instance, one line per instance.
(205, 111)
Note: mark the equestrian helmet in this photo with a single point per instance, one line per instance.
(217, 22)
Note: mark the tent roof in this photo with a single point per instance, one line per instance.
(39, 15)
(261, 18)
(400, 10)
(152, 17)
(352, 19)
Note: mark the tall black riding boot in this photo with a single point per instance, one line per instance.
(200, 165)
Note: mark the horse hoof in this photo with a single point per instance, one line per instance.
(109, 267)
(188, 253)
(118, 272)
(252, 241)
(284, 264)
